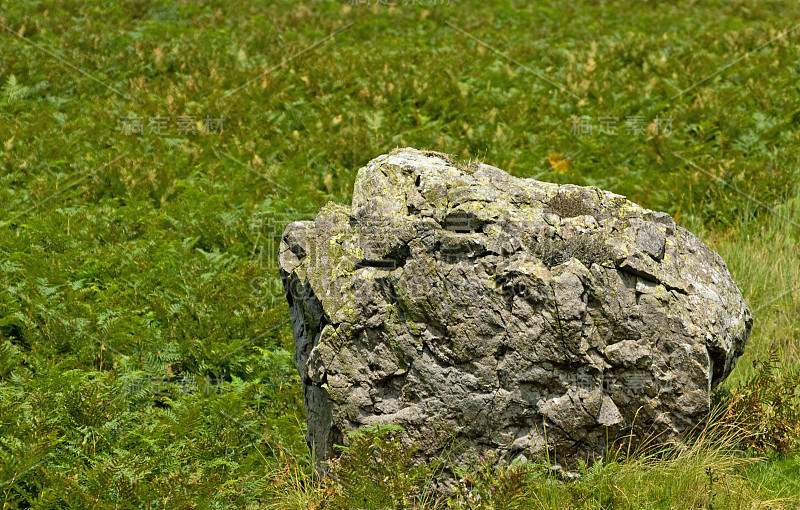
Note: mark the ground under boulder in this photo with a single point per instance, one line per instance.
(503, 316)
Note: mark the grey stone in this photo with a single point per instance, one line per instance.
(513, 316)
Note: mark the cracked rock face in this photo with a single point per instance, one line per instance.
(505, 317)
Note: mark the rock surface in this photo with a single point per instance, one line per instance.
(513, 316)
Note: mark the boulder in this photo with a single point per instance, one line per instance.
(505, 317)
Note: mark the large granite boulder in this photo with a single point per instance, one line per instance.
(503, 316)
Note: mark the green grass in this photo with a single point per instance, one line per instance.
(145, 361)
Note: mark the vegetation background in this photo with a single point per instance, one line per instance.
(152, 151)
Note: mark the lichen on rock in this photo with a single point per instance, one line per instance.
(510, 315)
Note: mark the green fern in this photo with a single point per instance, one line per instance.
(13, 91)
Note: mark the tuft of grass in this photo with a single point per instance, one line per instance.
(589, 248)
(707, 470)
(569, 206)
(762, 249)
(764, 414)
(377, 470)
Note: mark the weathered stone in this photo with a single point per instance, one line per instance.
(515, 316)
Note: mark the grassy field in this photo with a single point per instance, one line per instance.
(152, 151)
